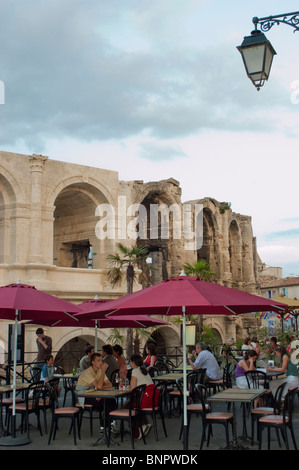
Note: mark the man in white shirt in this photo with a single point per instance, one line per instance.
(205, 360)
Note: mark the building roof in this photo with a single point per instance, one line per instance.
(284, 282)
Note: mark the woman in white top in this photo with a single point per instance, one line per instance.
(140, 375)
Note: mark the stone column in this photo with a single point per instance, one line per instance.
(37, 164)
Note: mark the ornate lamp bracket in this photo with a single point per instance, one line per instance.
(266, 23)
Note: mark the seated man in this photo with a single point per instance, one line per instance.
(85, 361)
(94, 377)
(205, 360)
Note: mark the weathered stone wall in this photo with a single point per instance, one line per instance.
(50, 213)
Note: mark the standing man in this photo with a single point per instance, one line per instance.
(205, 360)
(85, 361)
(44, 349)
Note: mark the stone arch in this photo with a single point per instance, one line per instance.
(235, 253)
(165, 338)
(8, 221)
(163, 223)
(209, 250)
(75, 243)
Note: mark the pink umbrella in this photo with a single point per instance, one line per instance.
(23, 302)
(186, 295)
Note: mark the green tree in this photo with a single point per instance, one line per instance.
(129, 262)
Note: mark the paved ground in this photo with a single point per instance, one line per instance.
(164, 446)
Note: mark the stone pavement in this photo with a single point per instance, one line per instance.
(171, 444)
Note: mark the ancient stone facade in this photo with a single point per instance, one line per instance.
(55, 219)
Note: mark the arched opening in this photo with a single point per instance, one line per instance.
(75, 242)
(73, 350)
(235, 253)
(160, 217)
(7, 222)
(209, 249)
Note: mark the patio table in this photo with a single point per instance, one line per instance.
(106, 394)
(238, 395)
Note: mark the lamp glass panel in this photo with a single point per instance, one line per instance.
(268, 61)
(254, 58)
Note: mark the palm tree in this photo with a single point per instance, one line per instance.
(201, 269)
(127, 260)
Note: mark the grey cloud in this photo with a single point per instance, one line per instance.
(64, 79)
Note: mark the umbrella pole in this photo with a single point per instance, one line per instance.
(96, 337)
(14, 384)
(13, 440)
(185, 427)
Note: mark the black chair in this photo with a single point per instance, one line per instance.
(158, 409)
(217, 385)
(29, 406)
(131, 414)
(259, 379)
(71, 412)
(68, 385)
(282, 421)
(45, 399)
(210, 418)
(194, 403)
(259, 411)
(162, 368)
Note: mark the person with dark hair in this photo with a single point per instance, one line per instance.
(110, 364)
(140, 376)
(118, 354)
(151, 351)
(44, 345)
(44, 348)
(287, 367)
(85, 361)
(246, 364)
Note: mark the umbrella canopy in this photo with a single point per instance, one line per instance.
(186, 295)
(198, 296)
(292, 304)
(32, 304)
(24, 302)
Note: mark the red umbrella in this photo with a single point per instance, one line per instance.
(23, 302)
(187, 295)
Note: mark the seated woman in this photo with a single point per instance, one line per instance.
(287, 367)
(151, 357)
(246, 364)
(140, 376)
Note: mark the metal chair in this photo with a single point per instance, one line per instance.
(70, 412)
(210, 418)
(29, 406)
(157, 409)
(131, 414)
(259, 411)
(282, 421)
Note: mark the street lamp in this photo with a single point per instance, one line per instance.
(257, 52)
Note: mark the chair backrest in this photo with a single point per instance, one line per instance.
(162, 367)
(33, 394)
(136, 398)
(152, 371)
(227, 376)
(202, 393)
(256, 379)
(288, 406)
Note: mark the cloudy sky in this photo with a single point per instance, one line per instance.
(156, 89)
